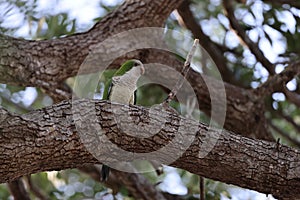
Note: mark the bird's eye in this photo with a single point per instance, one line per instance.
(135, 64)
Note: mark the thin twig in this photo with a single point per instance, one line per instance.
(185, 69)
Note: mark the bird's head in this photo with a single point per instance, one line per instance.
(131, 65)
(138, 64)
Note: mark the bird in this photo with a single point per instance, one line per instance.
(121, 88)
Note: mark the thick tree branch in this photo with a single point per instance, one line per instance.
(47, 64)
(229, 12)
(47, 139)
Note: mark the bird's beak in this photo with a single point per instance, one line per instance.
(142, 70)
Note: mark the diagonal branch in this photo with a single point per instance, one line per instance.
(277, 81)
(47, 139)
(292, 96)
(229, 12)
(288, 119)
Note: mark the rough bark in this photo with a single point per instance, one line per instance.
(47, 139)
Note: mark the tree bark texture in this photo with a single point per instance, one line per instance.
(47, 139)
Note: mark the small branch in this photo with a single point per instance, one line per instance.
(59, 92)
(17, 190)
(241, 33)
(277, 81)
(184, 72)
(292, 96)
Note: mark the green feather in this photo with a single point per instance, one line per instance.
(121, 71)
(124, 68)
(107, 88)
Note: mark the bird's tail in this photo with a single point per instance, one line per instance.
(104, 172)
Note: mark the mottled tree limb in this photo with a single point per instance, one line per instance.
(47, 139)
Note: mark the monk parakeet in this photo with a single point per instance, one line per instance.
(121, 89)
